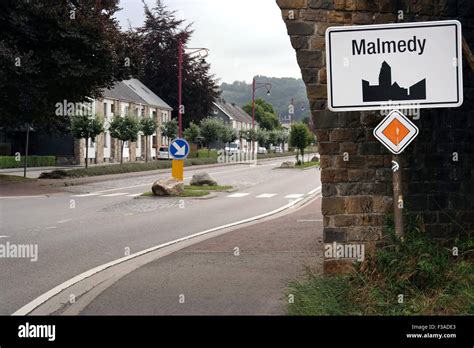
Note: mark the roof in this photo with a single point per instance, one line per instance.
(234, 111)
(145, 93)
(136, 92)
(121, 91)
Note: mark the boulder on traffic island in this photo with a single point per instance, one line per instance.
(167, 187)
(202, 179)
(288, 164)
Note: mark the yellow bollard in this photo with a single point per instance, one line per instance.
(177, 169)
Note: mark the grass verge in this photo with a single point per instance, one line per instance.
(121, 168)
(306, 165)
(13, 179)
(186, 193)
(431, 279)
(208, 188)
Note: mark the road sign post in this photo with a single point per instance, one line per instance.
(395, 66)
(179, 150)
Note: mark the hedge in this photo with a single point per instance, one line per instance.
(33, 161)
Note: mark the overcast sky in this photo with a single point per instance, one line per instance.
(245, 37)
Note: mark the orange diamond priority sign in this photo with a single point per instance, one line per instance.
(396, 131)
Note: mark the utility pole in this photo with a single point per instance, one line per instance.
(26, 149)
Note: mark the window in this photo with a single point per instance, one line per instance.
(105, 110)
(112, 108)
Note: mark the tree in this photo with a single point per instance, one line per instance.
(192, 133)
(159, 38)
(228, 134)
(251, 136)
(210, 131)
(55, 51)
(87, 127)
(124, 129)
(169, 129)
(264, 114)
(262, 137)
(300, 137)
(148, 127)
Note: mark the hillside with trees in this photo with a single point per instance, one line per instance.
(283, 89)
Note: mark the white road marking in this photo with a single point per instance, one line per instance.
(314, 191)
(10, 197)
(238, 195)
(135, 195)
(86, 194)
(115, 194)
(267, 195)
(53, 292)
(63, 221)
(4, 236)
(295, 195)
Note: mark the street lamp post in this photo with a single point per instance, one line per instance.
(256, 85)
(181, 49)
(291, 110)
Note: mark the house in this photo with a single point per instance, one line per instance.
(126, 97)
(233, 115)
(129, 96)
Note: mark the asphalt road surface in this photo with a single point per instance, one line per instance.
(97, 223)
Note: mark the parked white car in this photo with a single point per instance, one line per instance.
(278, 149)
(262, 150)
(231, 148)
(163, 153)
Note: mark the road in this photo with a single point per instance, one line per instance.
(97, 223)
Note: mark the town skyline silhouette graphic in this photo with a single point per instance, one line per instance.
(385, 90)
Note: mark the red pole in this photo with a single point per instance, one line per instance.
(180, 81)
(253, 103)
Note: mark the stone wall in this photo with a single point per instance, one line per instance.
(355, 169)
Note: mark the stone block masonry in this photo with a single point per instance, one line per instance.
(438, 166)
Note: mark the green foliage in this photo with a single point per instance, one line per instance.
(125, 129)
(300, 137)
(33, 161)
(157, 41)
(148, 126)
(87, 126)
(263, 137)
(192, 133)
(264, 114)
(431, 280)
(211, 130)
(48, 57)
(228, 134)
(283, 90)
(170, 129)
(123, 168)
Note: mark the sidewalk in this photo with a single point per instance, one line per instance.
(212, 280)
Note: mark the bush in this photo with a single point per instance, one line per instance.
(431, 280)
(122, 168)
(33, 161)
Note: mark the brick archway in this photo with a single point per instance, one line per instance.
(357, 193)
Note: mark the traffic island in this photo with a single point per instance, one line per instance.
(195, 191)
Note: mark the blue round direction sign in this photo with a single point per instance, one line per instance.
(179, 148)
